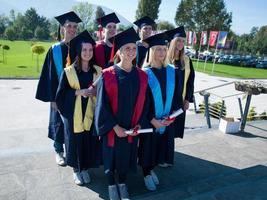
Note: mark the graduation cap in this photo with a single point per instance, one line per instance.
(66, 17)
(177, 32)
(122, 38)
(112, 17)
(144, 21)
(83, 37)
(158, 39)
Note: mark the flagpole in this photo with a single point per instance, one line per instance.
(214, 58)
(199, 49)
(206, 56)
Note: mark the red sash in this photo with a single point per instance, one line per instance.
(111, 86)
(100, 54)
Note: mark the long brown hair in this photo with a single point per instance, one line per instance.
(78, 60)
(171, 53)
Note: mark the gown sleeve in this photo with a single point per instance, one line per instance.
(104, 118)
(190, 84)
(65, 97)
(48, 82)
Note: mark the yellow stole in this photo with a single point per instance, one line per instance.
(186, 73)
(81, 124)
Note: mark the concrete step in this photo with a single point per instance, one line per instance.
(247, 183)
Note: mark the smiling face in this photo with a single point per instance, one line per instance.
(145, 32)
(70, 30)
(86, 52)
(180, 43)
(128, 52)
(110, 30)
(160, 52)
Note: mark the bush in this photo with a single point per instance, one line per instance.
(251, 114)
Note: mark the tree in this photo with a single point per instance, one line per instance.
(98, 13)
(203, 15)
(165, 26)
(5, 48)
(10, 33)
(85, 12)
(38, 50)
(260, 41)
(40, 33)
(4, 21)
(148, 8)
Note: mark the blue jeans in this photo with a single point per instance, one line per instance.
(58, 147)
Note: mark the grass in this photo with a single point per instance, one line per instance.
(230, 71)
(19, 60)
(21, 63)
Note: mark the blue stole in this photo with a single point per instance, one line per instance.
(57, 55)
(161, 110)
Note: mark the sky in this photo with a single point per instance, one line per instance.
(245, 13)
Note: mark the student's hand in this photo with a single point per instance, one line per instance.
(120, 132)
(82, 92)
(186, 105)
(91, 91)
(167, 122)
(157, 123)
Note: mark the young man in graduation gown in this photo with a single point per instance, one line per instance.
(76, 101)
(103, 47)
(145, 27)
(53, 66)
(121, 105)
(184, 70)
(158, 148)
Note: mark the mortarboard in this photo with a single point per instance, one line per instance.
(158, 39)
(177, 32)
(69, 16)
(144, 21)
(112, 17)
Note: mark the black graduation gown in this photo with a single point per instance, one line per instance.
(122, 157)
(46, 92)
(107, 50)
(158, 148)
(141, 54)
(179, 123)
(82, 149)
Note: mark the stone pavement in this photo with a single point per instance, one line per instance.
(208, 163)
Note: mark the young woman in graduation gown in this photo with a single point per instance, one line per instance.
(158, 148)
(184, 70)
(121, 106)
(54, 63)
(76, 102)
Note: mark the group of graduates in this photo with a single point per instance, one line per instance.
(104, 94)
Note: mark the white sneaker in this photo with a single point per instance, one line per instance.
(164, 165)
(85, 176)
(123, 192)
(154, 177)
(60, 159)
(149, 183)
(113, 192)
(77, 178)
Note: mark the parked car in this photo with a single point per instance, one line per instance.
(262, 64)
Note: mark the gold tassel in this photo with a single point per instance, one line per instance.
(68, 61)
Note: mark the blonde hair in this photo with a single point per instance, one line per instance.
(171, 53)
(152, 57)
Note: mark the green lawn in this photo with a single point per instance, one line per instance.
(19, 61)
(230, 71)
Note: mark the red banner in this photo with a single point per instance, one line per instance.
(213, 37)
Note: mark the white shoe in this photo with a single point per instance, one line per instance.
(113, 192)
(164, 165)
(149, 183)
(154, 177)
(60, 159)
(77, 178)
(123, 192)
(85, 176)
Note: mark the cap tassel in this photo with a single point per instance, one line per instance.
(59, 33)
(68, 61)
(147, 57)
(112, 54)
